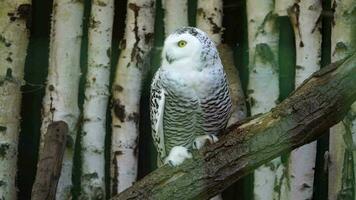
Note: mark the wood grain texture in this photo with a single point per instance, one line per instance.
(50, 162)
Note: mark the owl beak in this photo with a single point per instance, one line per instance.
(169, 58)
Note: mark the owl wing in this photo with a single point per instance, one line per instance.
(156, 112)
(216, 108)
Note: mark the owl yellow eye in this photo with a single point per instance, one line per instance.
(182, 43)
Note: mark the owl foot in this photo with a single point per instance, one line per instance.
(200, 141)
(177, 155)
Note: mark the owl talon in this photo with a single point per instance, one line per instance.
(200, 141)
(177, 155)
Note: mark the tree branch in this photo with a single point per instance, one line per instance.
(320, 102)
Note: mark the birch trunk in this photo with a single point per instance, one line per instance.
(96, 99)
(342, 44)
(306, 22)
(60, 101)
(209, 19)
(175, 15)
(14, 36)
(263, 87)
(133, 60)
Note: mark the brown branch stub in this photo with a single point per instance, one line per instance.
(319, 103)
(50, 161)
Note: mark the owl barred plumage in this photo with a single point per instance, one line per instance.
(190, 100)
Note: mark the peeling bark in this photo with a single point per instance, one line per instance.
(305, 17)
(343, 135)
(305, 115)
(96, 100)
(14, 36)
(50, 162)
(263, 87)
(133, 61)
(60, 101)
(175, 15)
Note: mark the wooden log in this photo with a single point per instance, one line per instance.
(50, 162)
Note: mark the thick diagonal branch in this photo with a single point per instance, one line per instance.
(320, 102)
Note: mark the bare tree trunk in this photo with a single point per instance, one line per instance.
(209, 19)
(317, 104)
(134, 59)
(96, 100)
(175, 15)
(306, 21)
(60, 101)
(50, 162)
(263, 87)
(343, 135)
(14, 36)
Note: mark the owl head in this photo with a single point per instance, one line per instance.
(189, 46)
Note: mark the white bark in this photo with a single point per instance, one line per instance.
(126, 92)
(263, 87)
(263, 56)
(209, 18)
(175, 15)
(342, 44)
(14, 37)
(305, 17)
(60, 101)
(96, 99)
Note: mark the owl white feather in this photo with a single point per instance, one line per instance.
(190, 99)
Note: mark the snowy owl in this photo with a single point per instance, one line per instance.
(190, 99)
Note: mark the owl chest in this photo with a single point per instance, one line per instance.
(184, 116)
(190, 84)
(182, 121)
